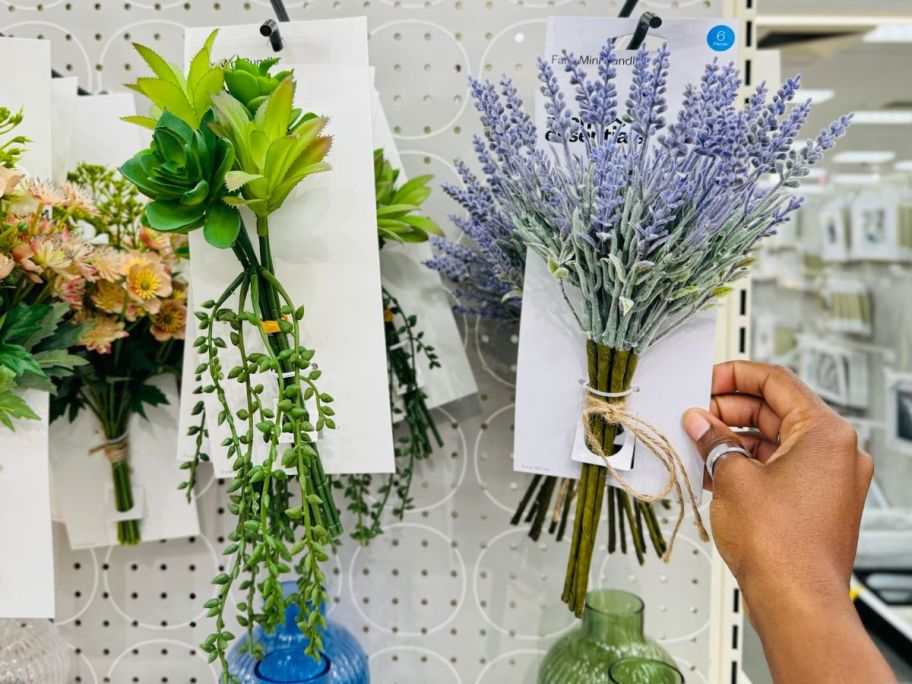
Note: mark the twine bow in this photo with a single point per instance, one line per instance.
(116, 450)
(617, 413)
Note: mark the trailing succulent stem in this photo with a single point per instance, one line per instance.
(417, 433)
(281, 527)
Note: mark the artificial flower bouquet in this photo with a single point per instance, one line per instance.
(228, 137)
(399, 220)
(45, 262)
(648, 223)
(134, 307)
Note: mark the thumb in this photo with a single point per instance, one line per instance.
(707, 432)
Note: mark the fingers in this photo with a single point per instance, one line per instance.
(707, 431)
(777, 386)
(742, 410)
(762, 449)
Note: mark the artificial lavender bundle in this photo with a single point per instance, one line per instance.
(489, 273)
(651, 222)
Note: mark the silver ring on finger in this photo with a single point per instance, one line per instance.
(721, 451)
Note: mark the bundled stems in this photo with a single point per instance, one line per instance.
(609, 371)
(418, 433)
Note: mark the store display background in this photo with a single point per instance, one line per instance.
(453, 594)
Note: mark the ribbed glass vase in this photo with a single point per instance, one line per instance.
(611, 629)
(293, 666)
(347, 658)
(31, 652)
(644, 671)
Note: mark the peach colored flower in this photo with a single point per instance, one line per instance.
(49, 255)
(9, 179)
(104, 331)
(109, 297)
(71, 291)
(47, 193)
(77, 199)
(80, 254)
(108, 263)
(23, 254)
(138, 257)
(169, 322)
(6, 266)
(147, 283)
(153, 239)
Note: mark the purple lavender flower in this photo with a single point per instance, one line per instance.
(652, 221)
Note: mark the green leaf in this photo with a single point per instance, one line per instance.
(209, 85)
(59, 358)
(274, 117)
(157, 63)
(22, 322)
(169, 217)
(144, 121)
(235, 180)
(168, 97)
(222, 226)
(423, 223)
(13, 407)
(18, 360)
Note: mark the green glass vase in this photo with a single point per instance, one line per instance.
(611, 629)
(644, 671)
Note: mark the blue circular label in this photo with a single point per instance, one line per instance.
(720, 38)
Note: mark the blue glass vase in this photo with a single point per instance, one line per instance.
(347, 660)
(293, 666)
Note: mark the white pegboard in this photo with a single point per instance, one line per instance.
(453, 594)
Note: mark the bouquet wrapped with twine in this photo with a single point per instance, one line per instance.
(651, 227)
(134, 309)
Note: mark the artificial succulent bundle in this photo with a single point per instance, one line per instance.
(229, 136)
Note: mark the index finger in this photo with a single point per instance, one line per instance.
(779, 387)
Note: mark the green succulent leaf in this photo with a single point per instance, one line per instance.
(188, 98)
(397, 207)
(184, 172)
(223, 223)
(276, 148)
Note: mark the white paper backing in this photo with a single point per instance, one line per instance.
(485, 625)
(26, 565)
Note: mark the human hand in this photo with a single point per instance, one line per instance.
(786, 521)
(789, 518)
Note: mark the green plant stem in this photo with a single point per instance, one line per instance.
(609, 371)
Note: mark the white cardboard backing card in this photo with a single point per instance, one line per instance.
(27, 573)
(99, 134)
(26, 546)
(420, 291)
(324, 240)
(63, 101)
(84, 485)
(552, 358)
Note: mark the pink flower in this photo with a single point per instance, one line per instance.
(71, 291)
(104, 331)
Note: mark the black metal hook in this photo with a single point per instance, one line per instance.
(278, 6)
(628, 8)
(648, 20)
(270, 29)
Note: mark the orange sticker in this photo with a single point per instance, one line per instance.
(388, 315)
(270, 327)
